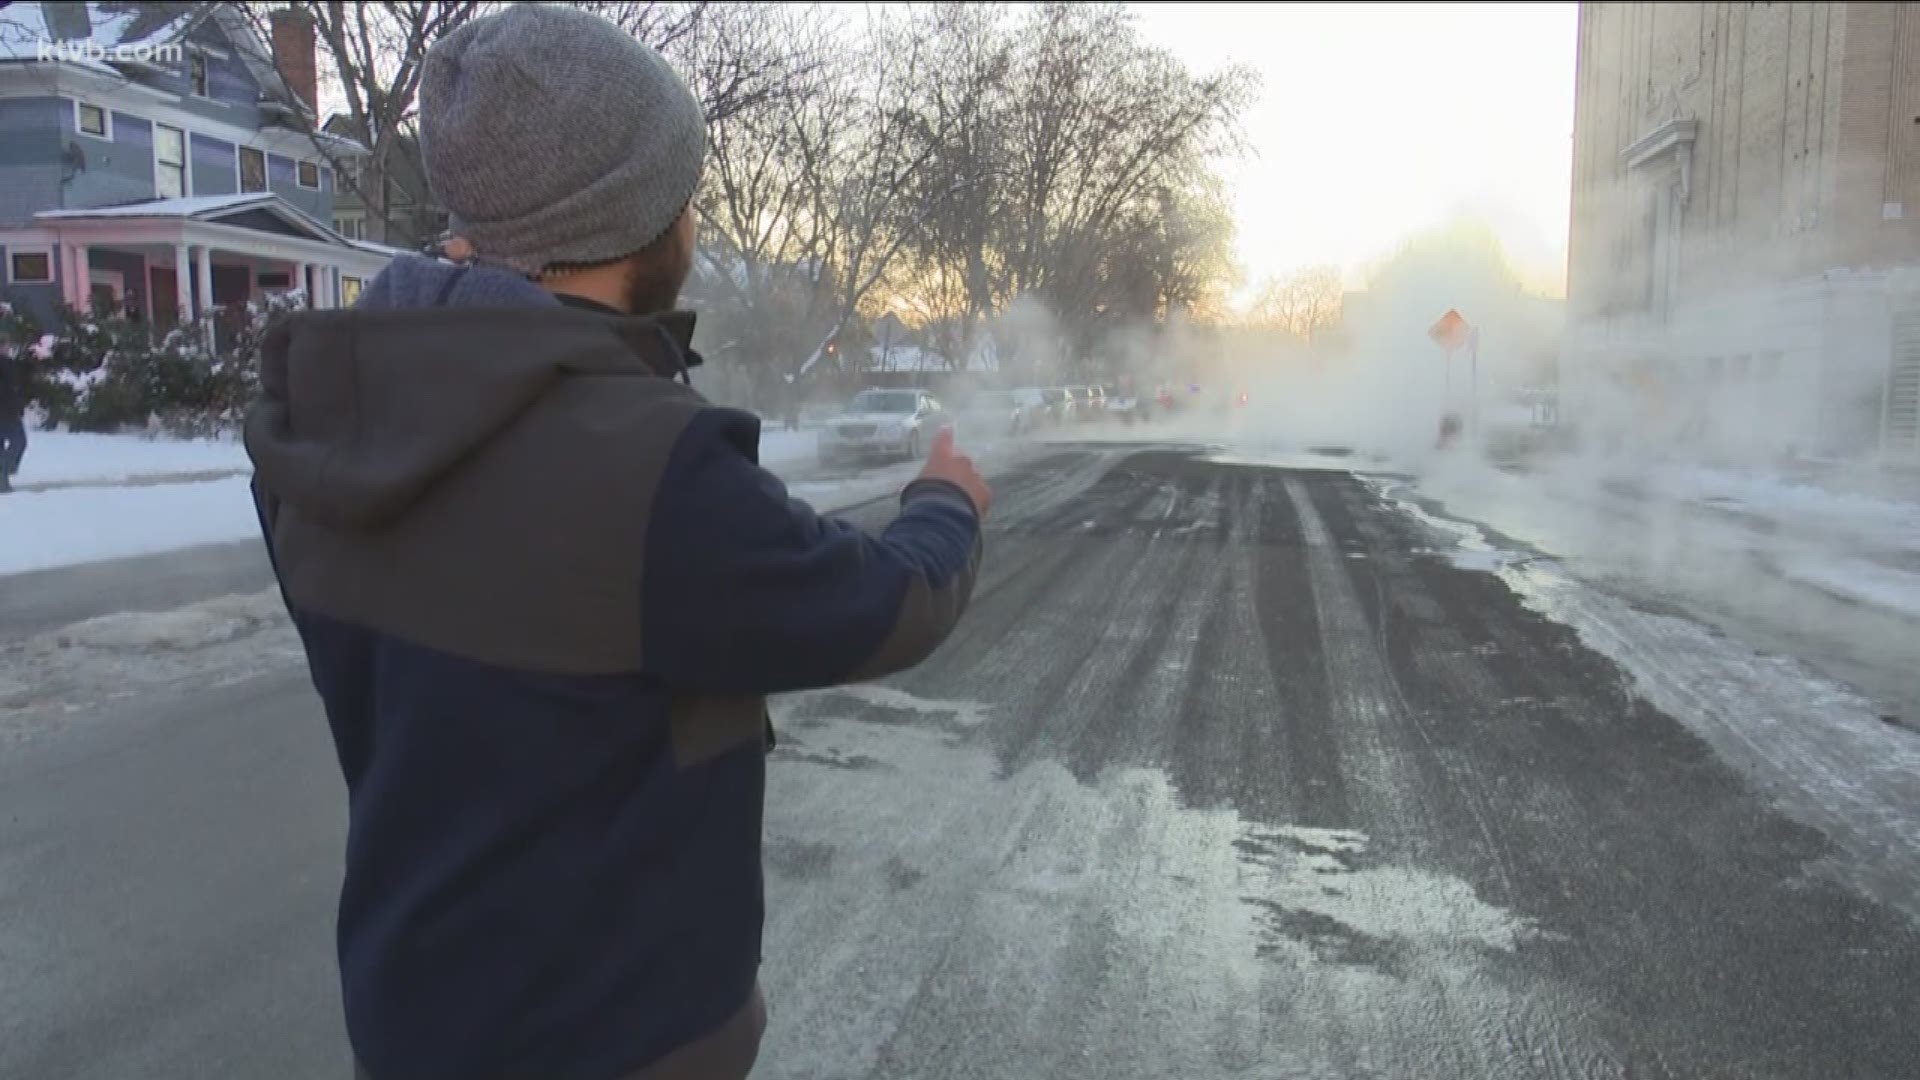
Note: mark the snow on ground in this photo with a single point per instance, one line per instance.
(1861, 581)
(65, 526)
(65, 457)
(783, 447)
(1820, 750)
(1801, 503)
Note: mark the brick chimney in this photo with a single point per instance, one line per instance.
(293, 54)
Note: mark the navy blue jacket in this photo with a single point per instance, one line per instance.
(544, 589)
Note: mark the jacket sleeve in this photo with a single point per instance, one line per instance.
(747, 591)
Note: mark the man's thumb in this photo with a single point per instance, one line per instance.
(942, 442)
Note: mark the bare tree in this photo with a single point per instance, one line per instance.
(1302, 303)
(372, 55)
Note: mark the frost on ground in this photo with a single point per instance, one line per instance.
(1067, 916)
(64, 457)
(63, 527)
(94, 663)
(1819, 750)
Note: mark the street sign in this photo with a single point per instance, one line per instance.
(1452, 332)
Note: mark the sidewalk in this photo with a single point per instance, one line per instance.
(1821, 565)
(1852, 533)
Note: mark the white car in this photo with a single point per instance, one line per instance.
(993, 414)
(882, 423)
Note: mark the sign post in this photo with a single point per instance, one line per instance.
(1452, 333)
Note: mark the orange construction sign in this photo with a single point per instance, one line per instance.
(1452, 332)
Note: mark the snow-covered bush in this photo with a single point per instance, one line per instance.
(106, 371)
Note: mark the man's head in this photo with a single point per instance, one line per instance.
(567, 150)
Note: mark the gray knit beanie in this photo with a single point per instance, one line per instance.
(553, 136)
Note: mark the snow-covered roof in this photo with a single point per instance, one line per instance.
(191, 207)
(122, 28)
(380, 249)
(106, 37)
(211, 208)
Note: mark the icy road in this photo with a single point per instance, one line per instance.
(1231, 771)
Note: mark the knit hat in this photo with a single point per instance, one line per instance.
(553, 136)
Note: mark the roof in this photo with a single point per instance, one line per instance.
(380, 249)
(116, 26)
(213, 208)
(95, 31)
(198, 206)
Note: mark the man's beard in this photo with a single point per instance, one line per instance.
(654, 289)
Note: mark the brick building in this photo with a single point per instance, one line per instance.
(1744, 257)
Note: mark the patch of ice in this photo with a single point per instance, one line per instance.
(195, 626)
(963, 713)
(115, 657)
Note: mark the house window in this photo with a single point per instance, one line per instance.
(92, 120)
(308, 175)
(197, 74)
(253, 169)
(169, 162)
(349, 291)
(31, 267)
(353, 228)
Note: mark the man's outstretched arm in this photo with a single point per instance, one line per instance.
(747, 591)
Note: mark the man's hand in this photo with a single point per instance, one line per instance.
(956, 468)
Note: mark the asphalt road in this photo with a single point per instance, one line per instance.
(1224, 775)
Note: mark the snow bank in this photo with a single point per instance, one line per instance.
(63, 457)
(43, 529)
(1859, 581)
(1791, 501)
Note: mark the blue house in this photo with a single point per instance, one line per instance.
(162, 156)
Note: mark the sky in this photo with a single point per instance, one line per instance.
(1376, 121)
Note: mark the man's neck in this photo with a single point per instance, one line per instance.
(586, 303)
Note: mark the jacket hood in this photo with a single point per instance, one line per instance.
(362, 411)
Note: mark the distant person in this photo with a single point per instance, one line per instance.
(13, 417)
(544, 614)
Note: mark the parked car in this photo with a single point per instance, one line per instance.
(1085, 405)
(882, 423)
(1035, 407)
(1129, 409)
(994, 413)
(1056, 405)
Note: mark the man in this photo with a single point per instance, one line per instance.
(13, 417)
(543, 588)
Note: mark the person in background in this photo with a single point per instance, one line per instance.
(543, 615)
(13, 416)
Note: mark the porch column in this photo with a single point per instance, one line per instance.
(183, 283)
(333, 286)
(303, 280)
(320, 299)
(83, 279)
(203, 271)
